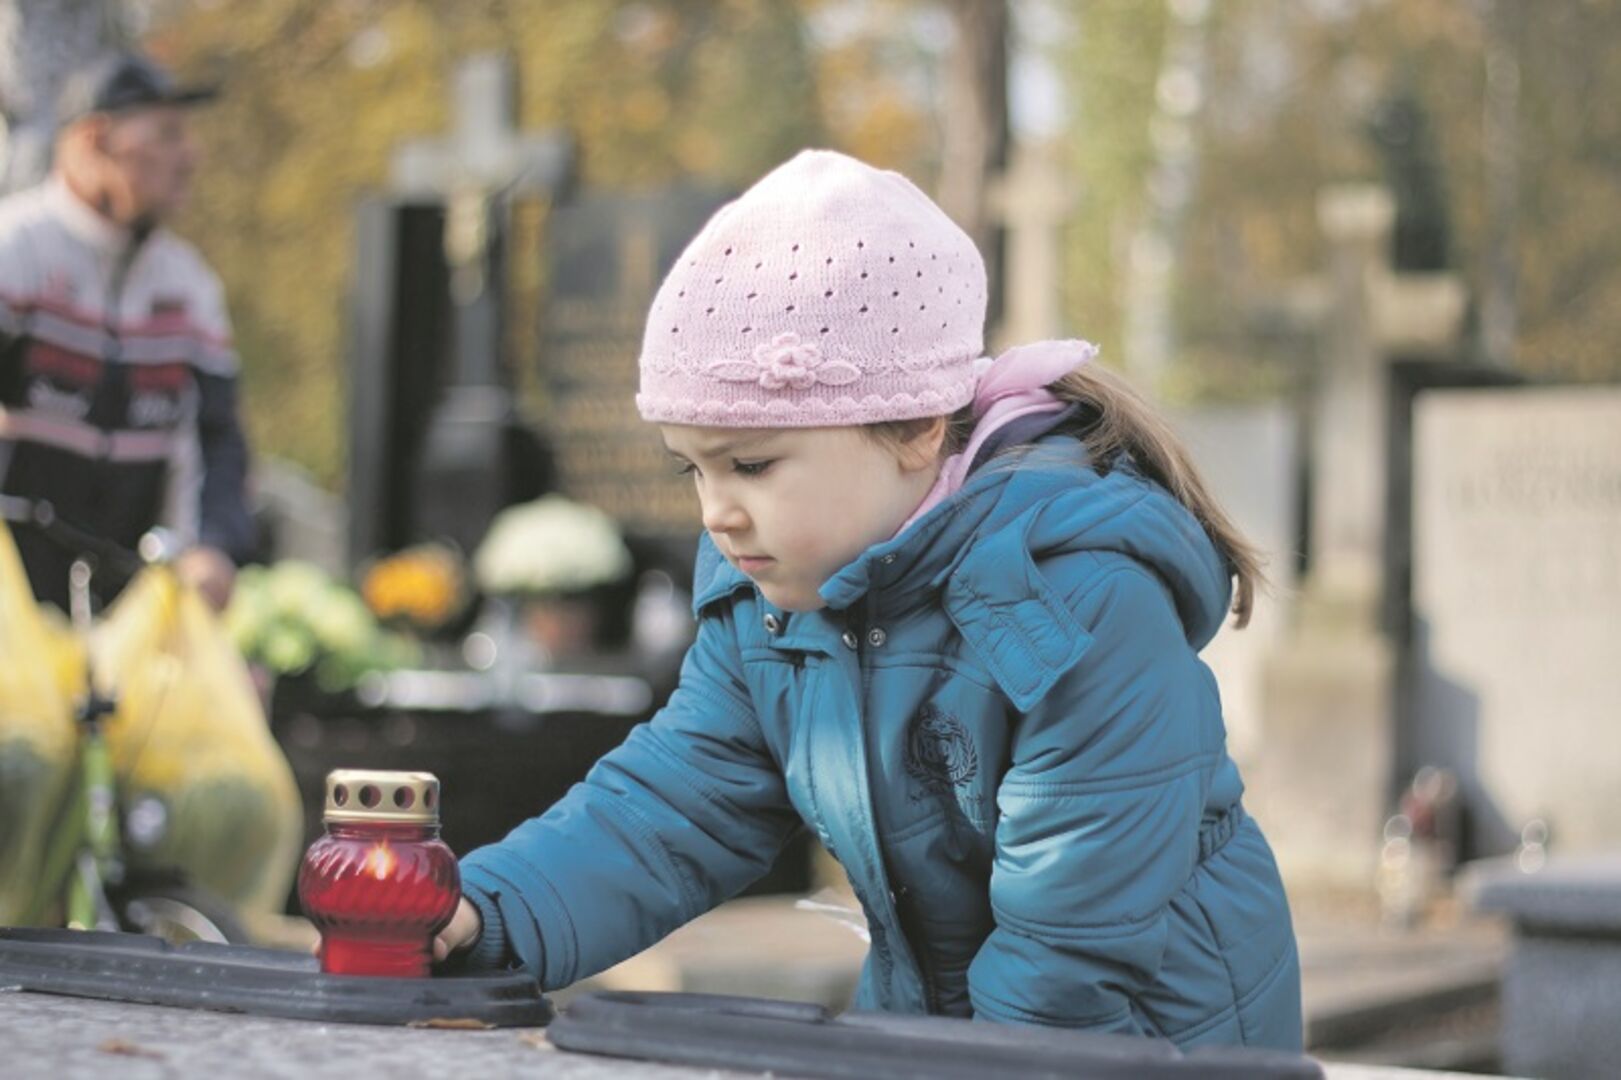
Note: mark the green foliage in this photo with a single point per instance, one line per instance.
(1288, 97)
(293, 618)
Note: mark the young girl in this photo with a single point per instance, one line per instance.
(949, 618)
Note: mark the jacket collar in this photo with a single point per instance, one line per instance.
(978, 552)
(82, 220)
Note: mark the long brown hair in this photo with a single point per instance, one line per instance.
(1113, 420)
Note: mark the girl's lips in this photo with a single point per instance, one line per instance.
(750, 563)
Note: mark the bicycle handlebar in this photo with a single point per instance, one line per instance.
(155, 546)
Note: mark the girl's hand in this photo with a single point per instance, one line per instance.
(462, 930)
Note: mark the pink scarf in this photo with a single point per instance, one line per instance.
(1013, 385)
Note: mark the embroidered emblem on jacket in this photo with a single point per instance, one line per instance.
(939, 754)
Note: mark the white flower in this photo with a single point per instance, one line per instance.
(550, 545)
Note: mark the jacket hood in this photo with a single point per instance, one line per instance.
(1031, 504)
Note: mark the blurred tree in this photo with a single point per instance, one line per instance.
(319, 92)
(1291, 92)
(974, 133)
(41, 41)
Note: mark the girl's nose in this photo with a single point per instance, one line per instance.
(723, 515)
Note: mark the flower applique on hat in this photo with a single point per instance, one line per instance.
(786, 362)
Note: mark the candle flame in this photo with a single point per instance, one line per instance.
(380, 861)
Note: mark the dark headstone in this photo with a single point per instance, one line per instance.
(607, 254)
(430, 456)
(398, 352)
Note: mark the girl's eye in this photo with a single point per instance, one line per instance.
(750, 468)
(685, 468)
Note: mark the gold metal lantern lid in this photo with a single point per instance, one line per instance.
(378, 795)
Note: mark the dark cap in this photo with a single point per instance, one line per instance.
(125, 80)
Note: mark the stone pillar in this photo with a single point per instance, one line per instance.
(1321, 777)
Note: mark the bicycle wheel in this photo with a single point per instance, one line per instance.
(180, 913)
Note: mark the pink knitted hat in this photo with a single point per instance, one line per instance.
(829, 294)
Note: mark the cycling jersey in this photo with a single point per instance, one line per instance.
(118, 382)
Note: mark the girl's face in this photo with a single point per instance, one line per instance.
(790, 507)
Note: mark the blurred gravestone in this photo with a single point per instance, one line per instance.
(1323, 776)
(1248, 456)
(298, 518)
(1562, 983)
(607, 254)
(1517, 599)
(437, 447)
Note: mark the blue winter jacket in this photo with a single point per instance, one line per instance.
(1000, 727)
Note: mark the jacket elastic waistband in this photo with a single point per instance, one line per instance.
(1215, 833)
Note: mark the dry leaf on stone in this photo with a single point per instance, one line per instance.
(455, 1023)
(127, 1049)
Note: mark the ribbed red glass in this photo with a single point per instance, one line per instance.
(378, 892)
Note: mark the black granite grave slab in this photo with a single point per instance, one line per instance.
(266, 982)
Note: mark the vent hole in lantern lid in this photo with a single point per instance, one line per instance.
(340, 795)
(370, 796)
(404, 798)
(430, 797)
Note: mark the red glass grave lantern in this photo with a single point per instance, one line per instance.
(380, 883)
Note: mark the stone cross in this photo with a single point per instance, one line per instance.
(483, 161)
(1370, 314)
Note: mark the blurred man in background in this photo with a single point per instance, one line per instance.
(118, 381)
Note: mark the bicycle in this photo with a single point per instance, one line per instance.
(85, 867)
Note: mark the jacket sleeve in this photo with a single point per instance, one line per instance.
(222, 515)
(685, 813)
(1099, 814)
(223, 518)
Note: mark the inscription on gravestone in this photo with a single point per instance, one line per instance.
(607, 255)
(1517, 593)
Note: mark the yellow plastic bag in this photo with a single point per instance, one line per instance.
(189, 730)
(36, 736)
